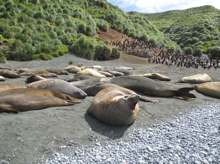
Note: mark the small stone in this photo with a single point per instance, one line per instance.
(205, 161)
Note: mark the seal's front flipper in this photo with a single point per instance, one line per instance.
(147, 99)
(184, 92)
(7, 108)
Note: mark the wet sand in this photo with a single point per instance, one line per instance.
(33, 136)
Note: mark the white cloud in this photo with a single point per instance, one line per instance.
(151, 6)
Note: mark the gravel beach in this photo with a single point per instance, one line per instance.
(172, 130)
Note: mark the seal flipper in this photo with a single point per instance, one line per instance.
(184, 92)
(7, 108)
(147, 99)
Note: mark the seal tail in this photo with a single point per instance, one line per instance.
(184, 92)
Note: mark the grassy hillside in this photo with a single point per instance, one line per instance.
(43, 29)
(196, 29)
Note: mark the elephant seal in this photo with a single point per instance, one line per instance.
(59, 85)
(98, 67)
(9, 73)
(22, 102)
(198, 78)
(81, 77)
(58, 71)
(22, 70)
(40, 92)
(34, 78)
(107, 74)
(40, 73)
(209, 88)
(7, 86)
(123, 67)
(115, 107)
(124, 71)
(2, 78)
(72, 69)
(90, 72)
(115, 73)
(142, 85)
(156, 76)
(94, 89)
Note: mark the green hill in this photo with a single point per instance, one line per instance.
(43, 29)
(196, 29)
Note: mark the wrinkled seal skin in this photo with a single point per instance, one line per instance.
(210, 88)
(7, 86)
(115, 107)
(40, 73)
(59, 85)
(22, 102)
(58, 71)
(81, 77)
(40, 92)
(198, 78)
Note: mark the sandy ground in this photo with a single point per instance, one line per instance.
(33, 136)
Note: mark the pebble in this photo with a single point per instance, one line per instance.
(186, 139)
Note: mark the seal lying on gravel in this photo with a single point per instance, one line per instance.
(22, 102)
(34, 78)
(2, 78)
(156, 76)
(90, 72)
(94, 89)
(113, 106)
(210, 88)
(142, 85)
(9, 73)
(40, 73)
(59, 85)
(198, 78)
(7, 86)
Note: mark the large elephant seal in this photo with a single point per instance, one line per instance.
(81, 77)
(209, 88)
(90, 72)
(7, 86)
(142, 85)
(156, 76)
(40, 92)
(40, 73)
(94, 89)
(58, 71)
(9, 73)
(22, 102)
(34, 78)
(198, 78)
(72, 69)
(114, 107)
(59, 85)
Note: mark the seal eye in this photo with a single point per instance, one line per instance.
(126, 96)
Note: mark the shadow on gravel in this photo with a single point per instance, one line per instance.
(113, 132)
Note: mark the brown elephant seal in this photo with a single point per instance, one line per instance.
(22, 70)
(22, 102)
(9, 73)
(115, 73)
(124, 71)
(81, 77)
(40, 92)
(72, 69)
(58, 71)
(40, 73)
(34, 78)
(2, 78)
(198, 78)
(156, 76)
(123, 67)
(7, 86)
(94, 89)
(209, 88)
(115, 107)
(90, 72)
(59, 85)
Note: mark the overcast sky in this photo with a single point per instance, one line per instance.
(154, 6)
